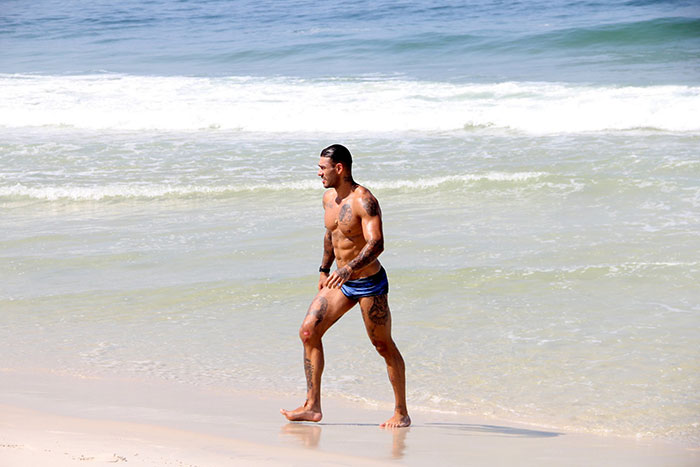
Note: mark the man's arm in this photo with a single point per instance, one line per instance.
(328, 257)
(372, 231)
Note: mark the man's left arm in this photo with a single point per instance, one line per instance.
(372, 231)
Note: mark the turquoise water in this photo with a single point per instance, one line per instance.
(537, 167)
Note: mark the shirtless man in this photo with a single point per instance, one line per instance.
(354, 239)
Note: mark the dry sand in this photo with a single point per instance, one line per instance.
(54, 420)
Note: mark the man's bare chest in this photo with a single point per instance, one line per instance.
(341, 218)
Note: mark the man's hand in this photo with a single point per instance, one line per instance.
(322, 280)
(338, 277)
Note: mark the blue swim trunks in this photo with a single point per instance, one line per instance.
(370, 286)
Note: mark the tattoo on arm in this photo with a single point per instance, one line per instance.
(369, 253)
(374, 247)
(328, 253)
(371, 205)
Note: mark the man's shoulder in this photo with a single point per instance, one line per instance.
(361, 192)
(366, 199)
(328, 195)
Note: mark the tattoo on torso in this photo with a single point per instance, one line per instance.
(345, 235)
(345, 215)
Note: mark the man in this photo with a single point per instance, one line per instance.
(354, 239)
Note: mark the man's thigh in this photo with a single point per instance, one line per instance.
(325, 309)
(377, 317)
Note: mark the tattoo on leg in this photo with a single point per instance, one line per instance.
(379, 311)
(309, 372)
(318, 309)
(345, 214)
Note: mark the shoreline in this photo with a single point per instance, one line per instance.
(51, 419)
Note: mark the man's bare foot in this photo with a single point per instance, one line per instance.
(302, 414)
(397, 421)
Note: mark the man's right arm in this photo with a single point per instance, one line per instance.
(328, 257)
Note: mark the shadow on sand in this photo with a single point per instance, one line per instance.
(463, 427)
(495, 430)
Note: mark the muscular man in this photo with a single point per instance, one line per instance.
(354, 239)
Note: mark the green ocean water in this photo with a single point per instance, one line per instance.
(550, 279)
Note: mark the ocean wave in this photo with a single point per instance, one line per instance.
(282, 105)
(98, 193)
(432, 182)
(650, 32)
(154, 191)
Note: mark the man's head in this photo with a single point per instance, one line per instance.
(335, 165)
(338, 154)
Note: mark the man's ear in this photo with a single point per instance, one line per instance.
(339, 167)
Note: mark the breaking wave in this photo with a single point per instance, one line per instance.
(279, 105)
(154, 191)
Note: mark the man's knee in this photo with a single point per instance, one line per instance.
(307, 333)
(315, 315)
(384, 347)
(310, 332)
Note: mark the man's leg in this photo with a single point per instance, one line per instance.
(377, 318)
(325, 309)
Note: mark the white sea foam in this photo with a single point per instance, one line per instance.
(100, 192)
(124, 102)
(96, 193)
(431, 182)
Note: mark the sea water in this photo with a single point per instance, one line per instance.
(537, 164)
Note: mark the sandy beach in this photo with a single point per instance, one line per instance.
(60, 420)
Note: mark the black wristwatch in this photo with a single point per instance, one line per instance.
(322, 269)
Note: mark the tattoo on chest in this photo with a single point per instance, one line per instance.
(371, 205)
(379, 311)
(345, 214)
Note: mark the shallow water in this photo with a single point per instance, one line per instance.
(548, 278)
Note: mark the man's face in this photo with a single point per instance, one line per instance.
(328, 173)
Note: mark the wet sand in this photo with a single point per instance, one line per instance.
(61, 420)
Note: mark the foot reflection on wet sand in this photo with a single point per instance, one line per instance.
(310, 435)
(398, 445)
